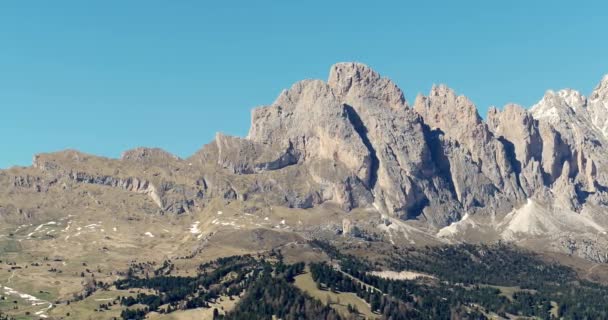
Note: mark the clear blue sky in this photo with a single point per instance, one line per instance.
(106, 76)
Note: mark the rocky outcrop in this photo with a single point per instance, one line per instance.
(555, 152)
(355, 82)
(520, 134)
(597, 106)
(309, 119)
(350, 229)
(457, 117)
(244, 156)
(129, 184)
(482, 168)
(517, 126)
(402, 166)
(309, 123)
(148, 155)
(170, 195)
(27, 181)
(588, 249)
(562, 110)
(577, 124)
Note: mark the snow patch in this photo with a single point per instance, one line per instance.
(45, 224)
(50, 223)
(194, 229)
(34, 301)
(550, 113)
(401, 275)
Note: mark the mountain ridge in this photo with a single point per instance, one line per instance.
(354, 141)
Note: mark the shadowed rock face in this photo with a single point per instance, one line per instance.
(356, 142)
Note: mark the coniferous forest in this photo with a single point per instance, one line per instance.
(460, 282)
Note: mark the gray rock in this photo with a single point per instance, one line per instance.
(244, 156)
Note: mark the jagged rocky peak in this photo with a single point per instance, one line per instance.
(517, 126)
(598, 106)
(581, 122)
(393, 134)
(562, 104)
(536, 147)
(453, 114)
(310, 120)
(357, 121)
(601, 90)
(457, 118)
(572, 97)
(568, 107)
(356, 80)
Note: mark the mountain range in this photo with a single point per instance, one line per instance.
(346, 157)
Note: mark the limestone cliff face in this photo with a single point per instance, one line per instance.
(519, 133)
(360, 124)
(598, 106)
(128, 174)
(457, 117)
(578, 125)
(402, 172)
(310, 123)
(359, 144)
(242, 156)
(480, 164)
(310, 119)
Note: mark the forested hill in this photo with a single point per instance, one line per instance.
(452, 282)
